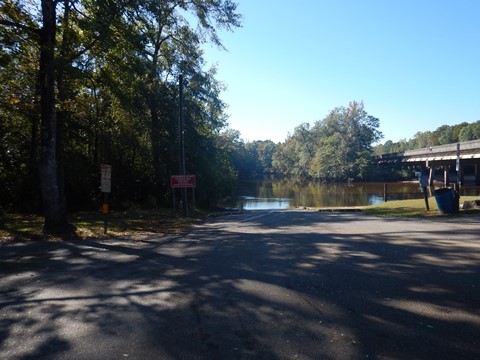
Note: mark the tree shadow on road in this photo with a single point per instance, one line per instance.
(313, 288)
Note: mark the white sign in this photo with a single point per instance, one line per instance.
(106, 178)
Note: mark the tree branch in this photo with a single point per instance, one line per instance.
(20, 26)
(83, 51)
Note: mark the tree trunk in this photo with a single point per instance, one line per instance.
(63, 96)
(158, 165)
(34, 180)
(54, 212)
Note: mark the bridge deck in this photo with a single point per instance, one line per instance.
(469, 150)
(467, 153)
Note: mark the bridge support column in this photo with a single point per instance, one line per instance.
(446, 175)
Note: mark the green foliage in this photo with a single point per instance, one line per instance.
(19, 119)
(470, 132)
(337, 148)
(445, 134)
(117, 66)
(262, 151)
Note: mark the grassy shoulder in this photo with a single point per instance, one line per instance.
(27, 227)
(416, 208)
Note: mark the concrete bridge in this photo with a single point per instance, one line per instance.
(460, 161)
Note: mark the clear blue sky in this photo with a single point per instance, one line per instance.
(414, 63)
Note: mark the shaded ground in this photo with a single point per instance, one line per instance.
(28, 227)
(269, 285)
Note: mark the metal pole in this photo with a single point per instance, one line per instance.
(105, 212)
(193, 201)
(458, 167)
(182, 147)
(425, 197)
(174, 207)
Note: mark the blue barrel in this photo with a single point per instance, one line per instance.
(445, 199)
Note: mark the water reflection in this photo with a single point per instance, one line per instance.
(284, 193)
(254, 203)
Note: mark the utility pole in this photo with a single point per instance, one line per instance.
(182, 147)
(458, 168)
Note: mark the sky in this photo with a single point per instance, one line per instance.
(415, 64)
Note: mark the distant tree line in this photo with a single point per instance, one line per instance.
(337, 148)
(445, 134)
(340, 148)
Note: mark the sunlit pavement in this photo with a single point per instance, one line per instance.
(261, 285)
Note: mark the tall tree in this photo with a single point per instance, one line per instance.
(348, 133)
(170, 46)
(295, 155)
(16, 14)
(337, 148)
(55, 209)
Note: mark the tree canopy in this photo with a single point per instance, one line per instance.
(86, 82)
(337, 148)
(445, 134)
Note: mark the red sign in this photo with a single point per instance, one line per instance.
(183, 181)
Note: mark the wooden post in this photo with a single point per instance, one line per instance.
(425, 196)
(385, 196)
(423, 185)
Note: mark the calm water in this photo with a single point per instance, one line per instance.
(282, 193)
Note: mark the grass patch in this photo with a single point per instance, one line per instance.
(20, 227)
(416, 208)
(90, 224)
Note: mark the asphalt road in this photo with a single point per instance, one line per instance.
(268, 285)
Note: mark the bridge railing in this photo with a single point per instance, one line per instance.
(448, 148)
(465, 146)
(432, 150)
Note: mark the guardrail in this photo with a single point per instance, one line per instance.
(465, 146)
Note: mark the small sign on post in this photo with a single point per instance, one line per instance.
(182, 182)
(106, 187)
(106, 178)
(423, 180)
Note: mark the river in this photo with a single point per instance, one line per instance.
(272, 193)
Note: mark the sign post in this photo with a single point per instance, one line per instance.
(423, 180)
(183, 182)
(106, 187)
